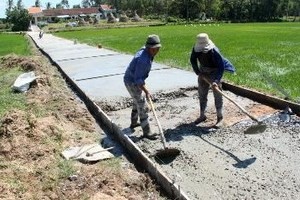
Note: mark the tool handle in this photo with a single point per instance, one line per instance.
(102, 150)
(276, 86)
(162, 137)
(235, 103)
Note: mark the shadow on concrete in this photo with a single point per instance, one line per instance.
(183, 130)
(239, 163)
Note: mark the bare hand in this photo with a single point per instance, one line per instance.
(149, 96)
(215, 85)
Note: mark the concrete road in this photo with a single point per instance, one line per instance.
(99, 72)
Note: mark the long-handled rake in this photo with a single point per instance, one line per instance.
(254, 129)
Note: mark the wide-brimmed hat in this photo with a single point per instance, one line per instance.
(153, 41)
(203, 43)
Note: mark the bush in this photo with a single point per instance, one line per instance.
(42, 24)
(2, 26)
(172, 20)
(123, 18)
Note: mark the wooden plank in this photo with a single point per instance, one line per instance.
(259, 97)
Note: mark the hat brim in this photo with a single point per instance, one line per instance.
(153, 46)
(200, 46)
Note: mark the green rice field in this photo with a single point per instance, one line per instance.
(13, 43)
(260, 51)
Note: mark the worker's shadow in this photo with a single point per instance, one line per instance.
(185, 130)
(190, 129)
(239, 163)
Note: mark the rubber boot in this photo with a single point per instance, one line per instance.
(134, 119)
(220, 121)
(134, 124)
(200, 119)
(147, 133)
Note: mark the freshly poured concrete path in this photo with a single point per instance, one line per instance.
(99, 72)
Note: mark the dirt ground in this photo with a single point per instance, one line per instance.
(224, 163)
(31, 142)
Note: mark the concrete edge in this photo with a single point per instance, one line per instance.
(140, 159)
(273, 102)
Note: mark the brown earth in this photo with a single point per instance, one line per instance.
(31, 142)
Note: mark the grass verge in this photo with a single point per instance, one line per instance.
(8, 98)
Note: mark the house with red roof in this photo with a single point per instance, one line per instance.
(35, 12)
(74, 13)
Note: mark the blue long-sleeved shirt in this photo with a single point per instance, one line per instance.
(214, 59)
(139, 67)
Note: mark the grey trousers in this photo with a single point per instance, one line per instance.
(203, 89)
(139, 108)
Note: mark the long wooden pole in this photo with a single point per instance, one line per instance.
(227, 97)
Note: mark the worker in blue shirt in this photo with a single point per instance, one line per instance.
(134, 79)
(208, 63)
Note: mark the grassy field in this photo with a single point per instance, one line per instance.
(11, 44)
(258, 50)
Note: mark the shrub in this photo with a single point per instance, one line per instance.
(20, 19)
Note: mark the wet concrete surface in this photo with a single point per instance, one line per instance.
(99, 72)
(224, 163)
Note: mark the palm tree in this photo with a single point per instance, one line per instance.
(48, 5)
(65, 3)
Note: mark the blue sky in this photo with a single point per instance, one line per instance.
(29, 3)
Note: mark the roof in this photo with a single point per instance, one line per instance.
(74, 11)
(34, 10)
(105, 7)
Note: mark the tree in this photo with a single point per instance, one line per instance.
(20, 19)
(76, 6)
(48, 5)
(10, 5)
(20, 4)
(233, 10)
(59, 6)
(37, 3)
(97, 2)
(65, 3)
(86, 3)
